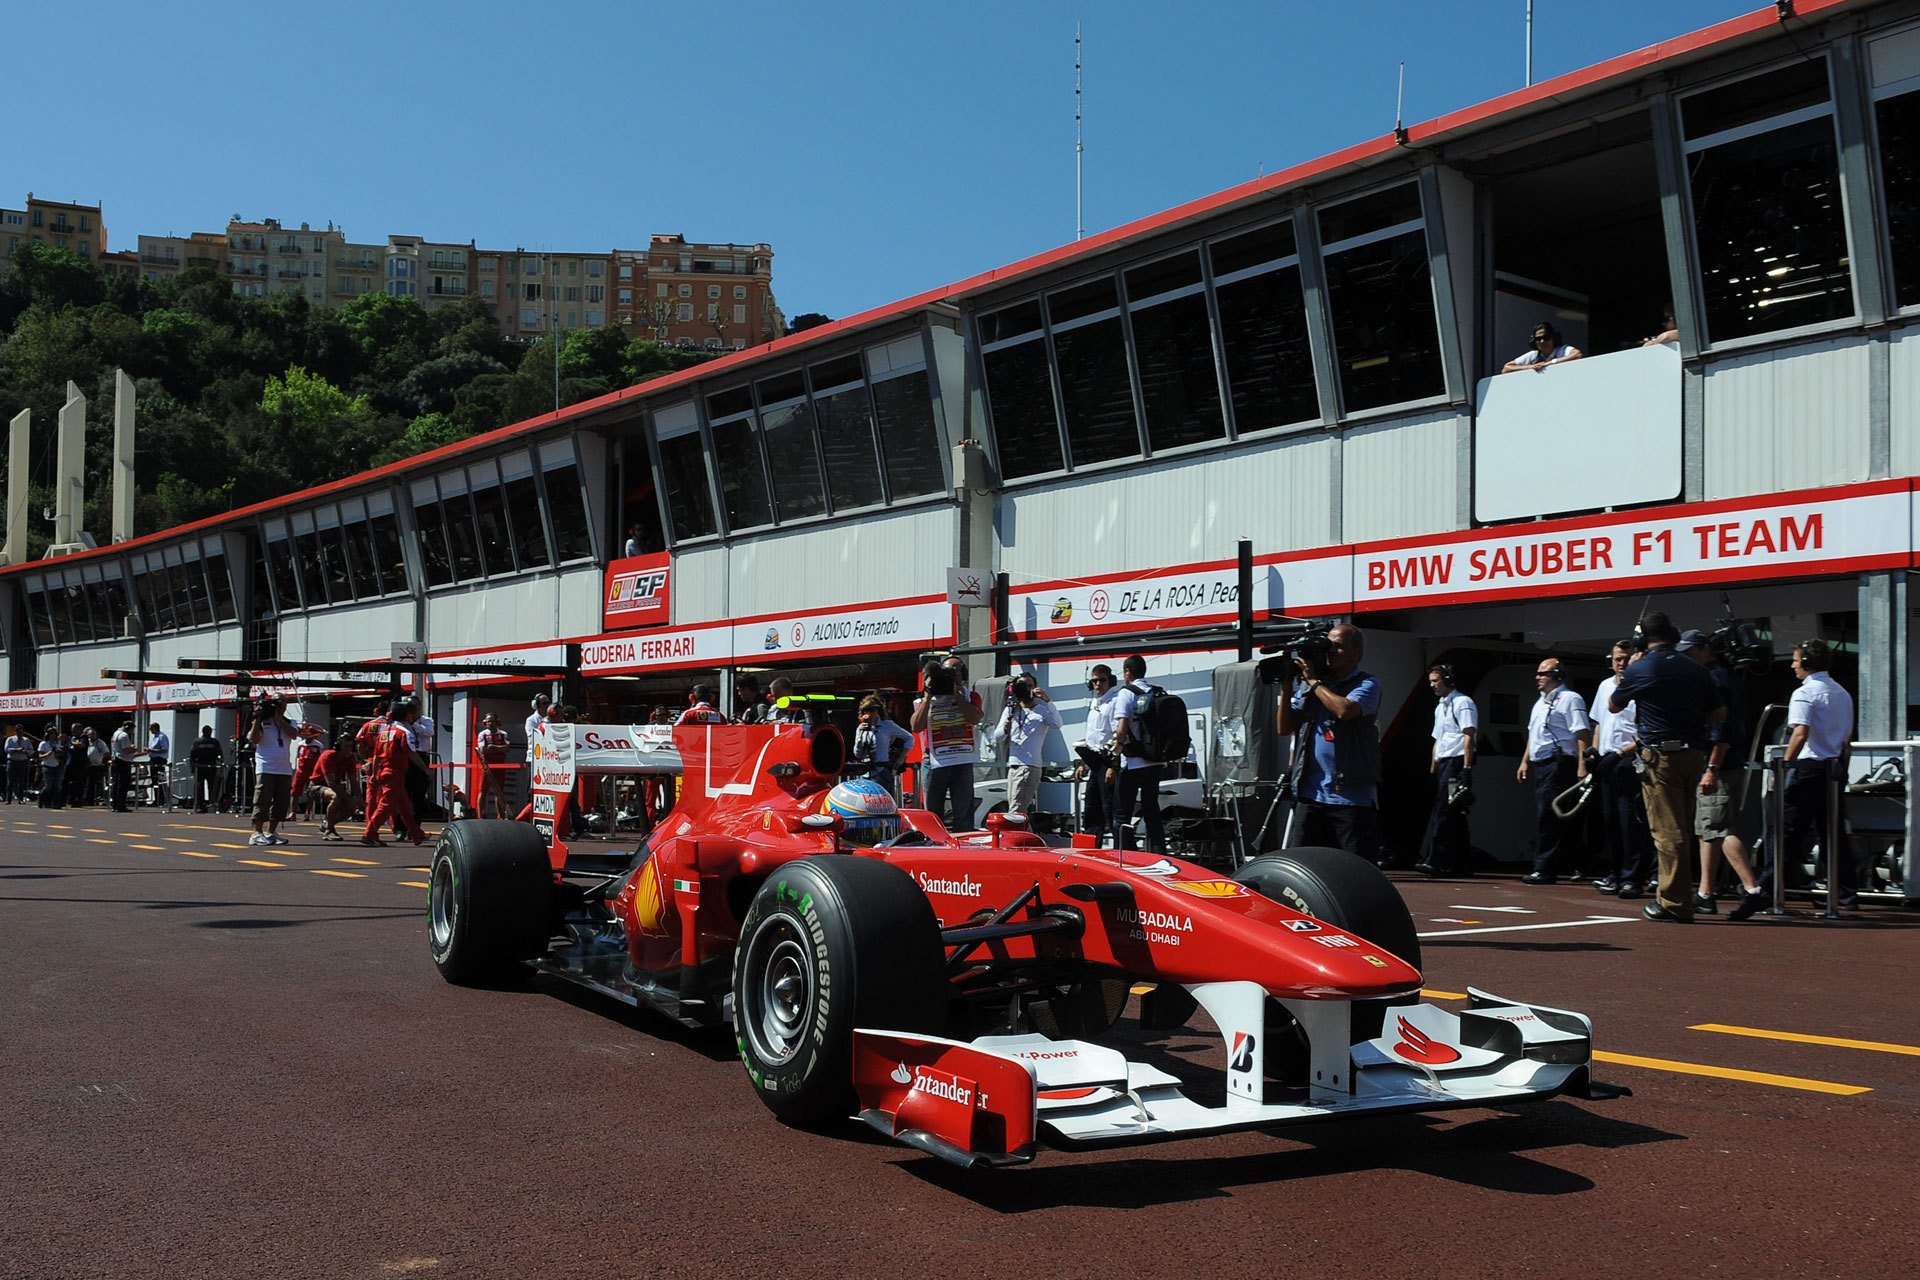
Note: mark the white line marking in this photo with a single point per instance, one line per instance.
(1512, 911)
(1522, 928)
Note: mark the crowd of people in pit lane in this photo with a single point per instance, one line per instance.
(62, 767)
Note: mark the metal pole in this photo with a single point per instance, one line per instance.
(1529, 42)
(1079, 146)
(1776, 818)
(1832, 838)
(1244, 620)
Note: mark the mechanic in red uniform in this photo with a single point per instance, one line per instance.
(702, 711)
(333, 775)
(310, 750)
(387, 793)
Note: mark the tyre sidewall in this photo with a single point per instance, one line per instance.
(811, 903)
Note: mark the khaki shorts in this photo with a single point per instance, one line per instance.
(1713, 814)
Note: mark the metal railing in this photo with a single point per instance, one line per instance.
(1871, 771)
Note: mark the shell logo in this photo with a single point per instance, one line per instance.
(649, 909)
(1209, 888)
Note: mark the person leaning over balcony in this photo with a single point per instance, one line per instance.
(1669, 330)
(1546, 348)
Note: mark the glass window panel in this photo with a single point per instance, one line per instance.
(76, 598)
(1768, 220)
(1253, 248)
(286, 585)
(183, 615)
(524, 500)
(1385, 338)
(333, 560)
(683, 478)
(1802, 83)
(63, 632)
(776, 391)
(1371, 213)
(496, 538)
(1182, 271)
(1899, 121)
(834, 374)
(106, 624)
(463, 540)
(1010, 322)
(199, 598)
(313, 579)
(572, 539)
(433, 543)
(1020, 398)
(1091, 298)
(743, 482)
(911, 445)
(356, 542)
(144, 583)
(117, 607)
(1096, 393)
(846, 439)
(794, 460)
(389, 557)
(725, 404)
(1178, 382)
(39, 620)
(221, 584)
(1263, 326)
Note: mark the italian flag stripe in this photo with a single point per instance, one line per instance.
(686, 886)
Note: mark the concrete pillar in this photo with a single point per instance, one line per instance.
(123, 481)
(1880, 703)
(18, 440)
(69, 469)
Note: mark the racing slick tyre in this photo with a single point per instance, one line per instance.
(1349, 892)
(831, 943)
(488, 899)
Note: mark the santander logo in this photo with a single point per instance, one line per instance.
(901, 1075)
(1416, 1045)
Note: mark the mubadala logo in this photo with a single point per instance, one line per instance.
(965, 887)
(1154, 919)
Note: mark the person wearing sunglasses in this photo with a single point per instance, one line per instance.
(1544, 348)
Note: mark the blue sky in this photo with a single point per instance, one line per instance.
(882, 149)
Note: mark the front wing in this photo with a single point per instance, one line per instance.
(996, 1099)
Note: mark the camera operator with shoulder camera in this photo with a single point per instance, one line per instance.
(945, 715)
(272, 738)
(1456, 728)
(1331, 708)
(1030, 716)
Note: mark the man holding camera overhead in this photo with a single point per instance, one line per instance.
(1336, 753)
(272, 736)
(945, 716)
(1030, 716)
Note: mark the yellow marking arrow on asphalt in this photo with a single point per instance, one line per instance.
(1876, 1046)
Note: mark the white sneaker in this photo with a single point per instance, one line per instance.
(257, 838)
(276, 839)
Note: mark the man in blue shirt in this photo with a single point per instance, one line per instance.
(1674, 703)
(1333, 714)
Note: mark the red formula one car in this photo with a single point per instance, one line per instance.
(950, 989)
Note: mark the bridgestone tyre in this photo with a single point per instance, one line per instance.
(829, 944)
(489, 900)
(1345, 890)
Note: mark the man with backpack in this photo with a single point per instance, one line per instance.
(1333, 714)
(1146, 738)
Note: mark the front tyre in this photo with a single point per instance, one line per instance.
(828, 944)
(488, 900)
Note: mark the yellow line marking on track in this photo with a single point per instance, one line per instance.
(55, 835)
(178, 839)
(195, 826)
(344, 875)
(58, 826)
(1729, 1073)
(97, 840)
(255, 862)
(157, 848)
(189, 853)
(1443, 995)
(287, 853)
(357, 862)
(419, 868)
(1877, 1046)
(413, 884)
(216, 844)
(95, 831)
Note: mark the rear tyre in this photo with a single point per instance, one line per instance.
(828, 944)
(1350, 893)
(489, 900)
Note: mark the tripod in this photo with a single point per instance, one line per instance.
(1282, 790)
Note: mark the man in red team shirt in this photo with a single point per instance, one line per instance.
(387, 778)
(700, 709)
(333, 782)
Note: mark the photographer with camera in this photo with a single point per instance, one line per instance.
(1674, 702)
(1456, 728)
(1095, 749)
(945, 715)
(1331, 708)
(1029, 717)
(272, 737)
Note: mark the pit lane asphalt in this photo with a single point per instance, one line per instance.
(216, 1069)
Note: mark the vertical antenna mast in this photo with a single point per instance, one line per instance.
(1529, 42)
(1079, 146)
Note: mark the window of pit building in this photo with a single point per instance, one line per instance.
(1894, 63)
(793, 456)
(1386, 337)
(306, 548)
(520, 491)
(1763, 174)
(1013, 360)
(1173, 348)
(463, 539)
(736, 457)
(910, 446)
(280, 565)
(1096, 389)
(683, 471)
(566, 502)
(1263, 328)
(845, 421)
(334, 568)
(431, 531)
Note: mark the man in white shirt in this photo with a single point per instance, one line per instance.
(1030, 716)
(420, 736)
(1623, 811)
(20, 752)
(1137, 776)
(1820, 721)
(1558, 732)
(1544, 348)
(1095, 750)
(272, 736)
(159, 753)
(1456, 730)
(542, 704)
(490, 748)
(125, 752)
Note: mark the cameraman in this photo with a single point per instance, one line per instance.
(1335, 774)
(1030, 716)
(945, 714)
(272, 737)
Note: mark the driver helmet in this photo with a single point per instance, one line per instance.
(866, 809)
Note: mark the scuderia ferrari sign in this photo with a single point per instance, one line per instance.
(920, 623)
